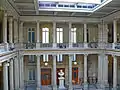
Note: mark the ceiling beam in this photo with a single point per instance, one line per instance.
(36, 7)
(55, 13)
(25, 4)
(73, 13)
(26, 10)
(11, 2)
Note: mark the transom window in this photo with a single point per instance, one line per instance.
(45, 35)
(31, 59)
(45, 58)
(31, 35)
(59, 58)
(59, 35)
(31, 74)
(73, 35)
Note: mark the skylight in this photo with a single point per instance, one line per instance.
(75, 1)
(72, 5)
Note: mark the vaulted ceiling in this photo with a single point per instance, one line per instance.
(30, 7)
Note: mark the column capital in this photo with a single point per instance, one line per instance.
(10, 19)
(114, 56)
(85, 54)
(37, 21)
(38, 55)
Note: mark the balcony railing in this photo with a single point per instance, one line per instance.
(2, 47)
(91, 45)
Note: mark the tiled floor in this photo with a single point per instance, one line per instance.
(75, 87)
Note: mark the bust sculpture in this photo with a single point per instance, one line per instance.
(61, 73)
(61, 79)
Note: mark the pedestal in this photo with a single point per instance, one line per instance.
(61, 83)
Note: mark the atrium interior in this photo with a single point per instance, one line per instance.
(59, 45)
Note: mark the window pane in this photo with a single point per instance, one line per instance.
(33, 36)
(59, 35)
(47, 37)
(43, 37)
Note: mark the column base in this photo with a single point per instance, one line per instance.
(55, 87)
(85, 86)
(37, 45)
(70, 87)
(114, 88)
(38, 88)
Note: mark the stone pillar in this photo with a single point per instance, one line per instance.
(16, 74)
(38, 73)
(70, 72)
(85, 35)
(21, 32)
(99, 69)
(11, 75)
(54, 73)
(5, 76)
(85, 72)
(11, 30)
(38, 35)
(115, 33)
(70, 26)
(114, 71)
(5, 31)
(105, 71)
(15, 31)
(21, 72)
(54, 35)
(5, 28)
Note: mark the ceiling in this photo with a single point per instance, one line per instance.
(30, 7)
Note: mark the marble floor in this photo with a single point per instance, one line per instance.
(75, 87)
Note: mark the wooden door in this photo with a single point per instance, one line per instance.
(58, 70)
(46, 76)
(75, 75)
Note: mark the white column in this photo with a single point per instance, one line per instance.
(54, 35)
(70, 26)
(115, 30)
(5, 75)
(21, 32)
(99, 69)
(15, 30)
(54, 73)
(5, 28)
(114, 71)
(70, 72)
(85, 69)
(22, 72)
(16, 74)
(105, 70)
(114, 33)
(85, 35)
(21, 68)
(38, 35)
(11, 30)
(38, 73)
(38, 32)
(11, 75)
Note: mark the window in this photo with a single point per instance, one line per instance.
(74, 57)
(59, 58)
(31, 35)
(73, 35)
(45, 58)
(31, 59)
(31, 74)
(45, 35)
(59, 35)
